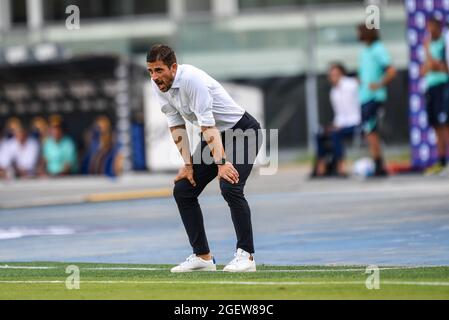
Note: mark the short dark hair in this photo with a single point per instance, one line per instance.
(369, 35)
(162, 53)
(339, 66)
(436, 21)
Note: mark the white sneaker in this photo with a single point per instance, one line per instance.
(194, 263)
(241, 263)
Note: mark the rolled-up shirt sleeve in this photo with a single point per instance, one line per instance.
(202, 101)
(174, 118)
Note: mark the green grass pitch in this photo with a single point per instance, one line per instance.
(118, 281)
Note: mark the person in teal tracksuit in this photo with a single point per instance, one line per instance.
(375, 73)
(59, 151)
(435, 71)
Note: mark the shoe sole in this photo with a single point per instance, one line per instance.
(240, 271)
(196, 270)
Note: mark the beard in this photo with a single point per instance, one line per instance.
(164, 86)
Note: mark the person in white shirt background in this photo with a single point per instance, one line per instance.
(188, 93)
(3, 157)
(19, 154)
(347, 117)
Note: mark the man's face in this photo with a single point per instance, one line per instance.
(334, 76)
(434, 30)
(56, 132)
(162, 75)
(21, 135)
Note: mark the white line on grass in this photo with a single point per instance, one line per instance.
(126, 269)
(99, 268)
(339, 270)
(259, 271)
(407, 283)
(23, 267)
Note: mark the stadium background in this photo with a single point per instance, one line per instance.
(422, 139)
(281, 47)
(125, 233)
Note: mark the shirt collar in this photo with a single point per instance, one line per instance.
(177, 82)
(340, 83)
(373, 44)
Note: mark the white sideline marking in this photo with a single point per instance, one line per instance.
(259, 271)
(22, 267)
(100, 268)
(339, 270)
(124, 268)
(408, 283)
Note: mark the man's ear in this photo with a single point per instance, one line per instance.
(174, 67)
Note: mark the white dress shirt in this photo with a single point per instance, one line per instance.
(4, 153)
(24, 156)
(198, 98)
(345, 102)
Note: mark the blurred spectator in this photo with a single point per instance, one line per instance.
(59, 151)
(39, 129)
(345, 103)
(8, 135)
(375, 73)
(435, 70)
(103, 155)
(19, 155)
(4, 157)
(12, 124)
(138, 142)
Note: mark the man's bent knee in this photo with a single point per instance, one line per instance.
(183, 189)
(228, 189)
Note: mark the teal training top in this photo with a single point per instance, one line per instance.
(438, 52)
(58, 154)
(374, 60)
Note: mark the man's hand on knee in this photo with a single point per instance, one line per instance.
(186, 172)
(228, 172)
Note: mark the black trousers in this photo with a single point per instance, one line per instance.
(242, 144)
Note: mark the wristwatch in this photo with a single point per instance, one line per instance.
(221, 162)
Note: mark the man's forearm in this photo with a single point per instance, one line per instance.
(439, 66)
(390, 75)
(181, 139)
(213, 139)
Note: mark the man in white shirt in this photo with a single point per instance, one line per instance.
(4, 157)
(347, 117)
(188, 93)
(20, 155)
